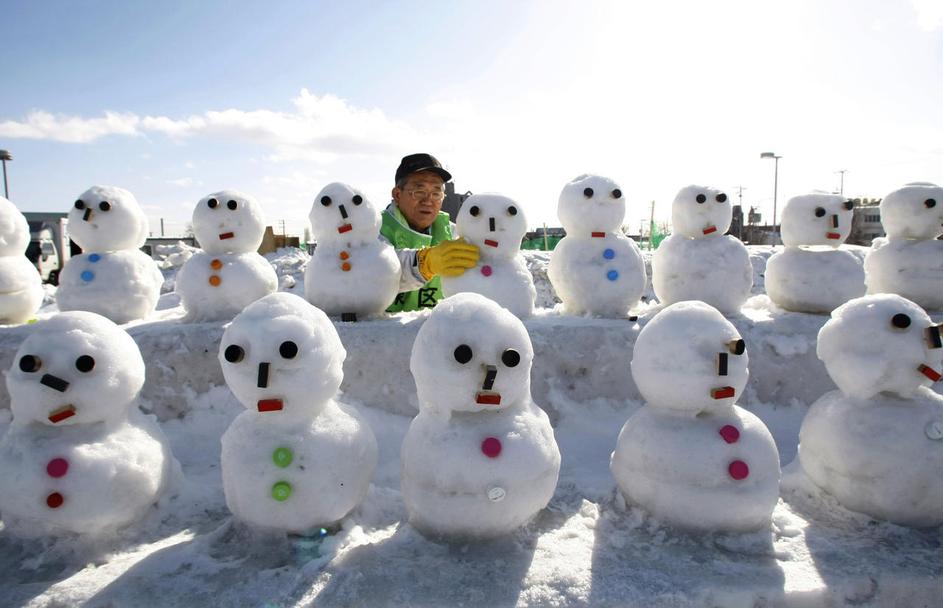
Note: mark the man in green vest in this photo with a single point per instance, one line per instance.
(422, 234)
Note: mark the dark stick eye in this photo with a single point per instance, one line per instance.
(701, 198)
(849, 205)
(900, 321)
(588, 192)
(737, 347)
(617, 193)
(463, 353)
(212, 203)
(930, 203)
(104, 205)
(232, 205)
(819, 212)
(721, 198)
(474, 211)
(357, 199)
(234, 354)
(288, 349)
(326, 201)
(85, 364)
(510, 357)
(80, 204)
(512, 210)
(30, 363)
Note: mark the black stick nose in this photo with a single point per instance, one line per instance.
(263, 375)
(834, 221)
(88, 214)
(54, 382)
(491, 373)
(491, 224)
(343, 211)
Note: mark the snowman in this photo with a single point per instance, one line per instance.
(698, 261)
(79, 455)
(690, 456)
(112, 277)
(813, 274)
(218, 282)
(21, 288)
(480, 459)
(296, 459)
(595, 269)
(876, 443)
(352, 272)
(495, 224)
(909, 262)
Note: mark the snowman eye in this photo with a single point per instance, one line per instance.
(900, 321)
(326, 201)
(212, 203)
(701, 198)
(357, 199)
(463, 353)
(474, 211)
(930, 203)
(819, 212)
(721, 198)
(288, 349)
(30, 363)
(933, 337)
(510, 357)
(104, 205)
(80, 204)
(737, 347)
(234, 354)
(232, 205)
(85, 364)
(512, 210)
(588, 192)
(849, 205)
(617, 193)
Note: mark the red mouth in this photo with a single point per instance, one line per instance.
(724, 392)
(491, 243)
(66, 411)
(832, 235)
(488, 398)
(930, 373)
(270, 405)
(599, 235)
(345, 228)
(710, 230)
(226, 235)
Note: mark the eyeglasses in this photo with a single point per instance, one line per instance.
(420, 195)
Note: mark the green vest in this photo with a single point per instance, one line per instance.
(396, 230)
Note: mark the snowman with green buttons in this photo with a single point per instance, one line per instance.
(112, 276)
(297, 459)
(595, 269)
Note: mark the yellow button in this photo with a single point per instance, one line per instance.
(344, 255)
(215, 281)
(345, 266)
(216, 264)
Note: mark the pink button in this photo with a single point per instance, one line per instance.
(57, 467)
(491, 447)
(729, 433)
(738, 470)
(486, 270)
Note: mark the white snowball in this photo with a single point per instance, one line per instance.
(228, 222)
(913, 212)
(14, 229)
(804, 280)
(816, 219)
(218, 286)
(716, 270)
(495, 224)
(21, 289)
(866, 353)
(351, 270)
(121, 285)
(591, 203)
(107, 218)
(701, 212)
(480, 459)
(297, 459)
(910, 268)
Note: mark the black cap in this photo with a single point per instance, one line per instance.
(414, 163)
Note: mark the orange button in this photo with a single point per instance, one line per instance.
(344, 255)
(215, 280)
(345, 266)
(216, 264)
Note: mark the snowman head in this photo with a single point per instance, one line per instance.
(591, 203)
(281, 355)
(495, 223)
(880, 343)
(817, 219)
(913, 212)
(106, 218)
(471, 355)
(228, 222)
(14, 231)
(75, 368)
(342, 214)
(701, 212)
(689, 359)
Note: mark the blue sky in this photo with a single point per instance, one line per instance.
(174, 100)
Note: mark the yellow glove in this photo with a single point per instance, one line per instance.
(448, 259)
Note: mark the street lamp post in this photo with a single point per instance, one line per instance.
(775, 186)
(841, 188)
(5, 156)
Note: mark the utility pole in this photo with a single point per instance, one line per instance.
(651, 225)
(841, 188)
(162, 226)
(740, 190)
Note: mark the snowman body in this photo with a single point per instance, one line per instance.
(21, 289)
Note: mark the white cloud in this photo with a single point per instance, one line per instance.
(70, 129)
(185, 182)
(929, 14)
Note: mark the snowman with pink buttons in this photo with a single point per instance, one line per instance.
(496, 225)
(691, 457)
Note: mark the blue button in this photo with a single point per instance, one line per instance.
(608, 254)
(612, 275)
(88, 275)
(94, 258)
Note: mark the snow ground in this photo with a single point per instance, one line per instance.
(586, 548)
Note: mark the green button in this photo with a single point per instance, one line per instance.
(281, 491)
(282, 457)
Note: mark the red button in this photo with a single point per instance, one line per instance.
(57, 467)
(486, 270)
(491, 447)
(738, 470)
(729, 433)
(54, 500)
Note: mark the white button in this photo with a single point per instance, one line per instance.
(934, 430)
(496, 494)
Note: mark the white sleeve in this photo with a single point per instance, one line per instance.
(409, 277)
